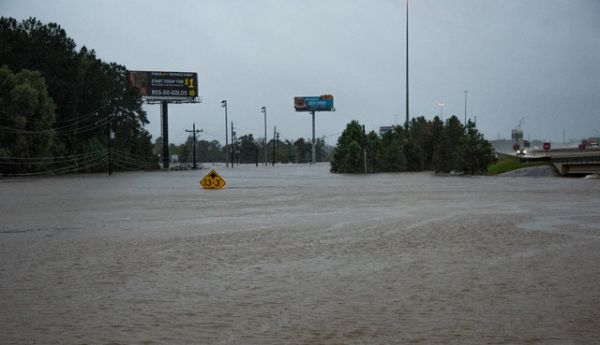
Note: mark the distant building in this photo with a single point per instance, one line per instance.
(385, 129)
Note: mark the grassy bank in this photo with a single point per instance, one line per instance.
(507, 163)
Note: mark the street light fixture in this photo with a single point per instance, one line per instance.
(263, 110)
(224, 105)
(521, 122)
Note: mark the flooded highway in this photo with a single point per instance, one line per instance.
(295, 255)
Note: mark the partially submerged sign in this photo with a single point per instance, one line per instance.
(212, 181)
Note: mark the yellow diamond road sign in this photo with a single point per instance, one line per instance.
(212, 181)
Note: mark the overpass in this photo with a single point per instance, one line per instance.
(570, 161)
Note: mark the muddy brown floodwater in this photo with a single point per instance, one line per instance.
(296, 255)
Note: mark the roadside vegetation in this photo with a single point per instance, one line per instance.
(57, 103)
(506, 163)
(442, 147)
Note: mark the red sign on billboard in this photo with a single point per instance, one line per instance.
(546, 146)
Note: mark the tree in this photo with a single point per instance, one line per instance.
(27, 116)
(88, 94)
(477, 152)
(420, 145)
(438, 146)
(248, 149)
(302, 150)
(348, 151)
(391, 157)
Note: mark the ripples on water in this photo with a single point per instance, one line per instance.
(293, 254)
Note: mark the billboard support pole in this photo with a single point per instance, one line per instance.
(164, 116)
(314, 149)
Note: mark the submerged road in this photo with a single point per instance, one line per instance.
(296, 255)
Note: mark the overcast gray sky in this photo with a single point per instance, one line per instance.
(516, 58)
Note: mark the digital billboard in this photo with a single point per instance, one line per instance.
(314, 103)
(165, 86)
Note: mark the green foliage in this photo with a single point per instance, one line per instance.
(86, 92)
(25, 108)
(422, 145)
(347, 155)
(508, 163)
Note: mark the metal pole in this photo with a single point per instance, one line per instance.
(406, 123)
(274, 143)
(364, 147)
(264, 111)
(314, 148)
(224, 105)
(109, 162)
(194, 131)
(164, 107)
(232, 143)
(466, 91)
(194, 147)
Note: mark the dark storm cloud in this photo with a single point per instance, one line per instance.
(534, 58)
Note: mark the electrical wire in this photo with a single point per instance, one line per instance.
(87, 164)
(83, 129)
(9, 161)
(54, 157)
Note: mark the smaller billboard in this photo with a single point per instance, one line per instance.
(165, 86)
(314, 103)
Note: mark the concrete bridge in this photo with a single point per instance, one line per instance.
(571, 161)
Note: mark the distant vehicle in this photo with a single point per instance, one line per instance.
(590, 142)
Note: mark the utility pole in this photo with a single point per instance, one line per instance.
(109, 162)
(274, 143)
(194, 131)
(263, 109)
(224, 105)
(232, 143)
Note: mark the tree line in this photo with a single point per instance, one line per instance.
(247, 149)
(421, 145)
(58, 102)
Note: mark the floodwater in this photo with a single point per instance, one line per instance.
(296, 255)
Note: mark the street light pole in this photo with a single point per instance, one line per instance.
(521, 122)
(466, 91)
(264, 111)
(224, 105)
(406, 123)
(441, 105)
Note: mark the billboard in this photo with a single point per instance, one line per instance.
(314, 103)
(165, 86)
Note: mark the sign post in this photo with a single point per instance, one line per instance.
(164, 119)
